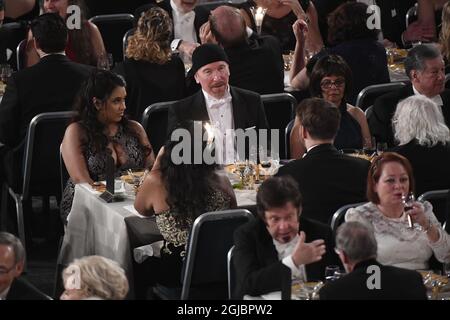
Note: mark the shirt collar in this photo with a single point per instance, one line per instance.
(180, 14)
(436, 99)
(212, 102)
(285, 249)
(62, 53)
(4, 294)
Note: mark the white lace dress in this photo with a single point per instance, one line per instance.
(398, 245)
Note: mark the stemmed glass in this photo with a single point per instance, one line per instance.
(105, 61)
(408, 201)
(309, 290)
(331, 273)
(5, 72)
(258, 15)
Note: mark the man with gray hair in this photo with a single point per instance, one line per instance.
(425, 68)
(12, 259)
(367, 279)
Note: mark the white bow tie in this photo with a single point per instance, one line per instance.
(186, 17)
(215, 103)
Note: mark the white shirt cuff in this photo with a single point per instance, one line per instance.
(295, 272)
(174, 44)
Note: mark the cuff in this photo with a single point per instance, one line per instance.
(295, 271)
(175, 44)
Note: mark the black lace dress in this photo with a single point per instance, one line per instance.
(96, 163)
(176, 234)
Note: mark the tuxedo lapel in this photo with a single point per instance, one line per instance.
(238, 109)
(198, 107)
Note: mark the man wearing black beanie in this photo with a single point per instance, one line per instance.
(224, 106)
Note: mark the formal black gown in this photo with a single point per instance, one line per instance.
(349, 134)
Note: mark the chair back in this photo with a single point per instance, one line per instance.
(287, 139)
(20, 54)
(411, 15)
(11, 34)
(112, 28)
(231, 273)
(339, 215)
(154, 121)
(440, 199)
(41, 157)
(125, 41)
(205, 267)
(369, 94)
(279, 109)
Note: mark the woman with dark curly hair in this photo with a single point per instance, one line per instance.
(349, 37)
(152, 72)
(331, 79)
(101, 128)
(85, 44)
(177, 191)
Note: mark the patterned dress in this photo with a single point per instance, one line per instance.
(96, 163)
(176, 234)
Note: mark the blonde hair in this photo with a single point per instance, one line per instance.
(150, 42)
(418, 117)
(444, 36)
(98, 277)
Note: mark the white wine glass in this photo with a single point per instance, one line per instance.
(408, 202)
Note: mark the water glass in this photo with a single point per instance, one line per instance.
(331, 273)
(105, 61)
(381, 147)
(5, 72)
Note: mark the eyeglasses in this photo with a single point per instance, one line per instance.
(327, 84)
(4, 271)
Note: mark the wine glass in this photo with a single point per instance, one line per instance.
(408, 201)
(105, 61)
(5, 72)
(309, 290)
(381, 147)
(331, 273)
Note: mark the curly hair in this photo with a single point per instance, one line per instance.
(444, 36)
(98, 277)
(151, 41)
(189, 182)
(349, 22)
(99, 85)
(418, 117)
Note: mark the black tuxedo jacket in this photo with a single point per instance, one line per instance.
(23, 290)
(258, 269)
(395, 284)
(431, 165)
(328, 180)
(201, 14)
(48, 86)
(248, 110)
(380, 122)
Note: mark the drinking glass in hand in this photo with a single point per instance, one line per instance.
(408, 201)
(105, 61)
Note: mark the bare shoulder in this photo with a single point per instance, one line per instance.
(75, 131)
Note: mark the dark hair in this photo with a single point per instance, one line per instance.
(415, 60)
(349, 22)
(99, 85)
(276, 192)
(319, 117)
(329, 65)
(50, 32)
(230, 29)
(187, 183)
(376, 169)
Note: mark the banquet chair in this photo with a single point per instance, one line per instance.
(125, 41)
(41, 160)
(369, 94)
(231, 273)
(154, 121)
(20, 54)
(338, 217)
(280, 110)
(287, 139)
(411, 15)
(112, 28)
(440, 199)
(205, 267)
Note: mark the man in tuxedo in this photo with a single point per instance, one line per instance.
(12, 258)
(327, 179)
(425, 68)
(227, 108)
(256, 62)
(50, 85)
(279, 238)
(187, 19)
(367, 279)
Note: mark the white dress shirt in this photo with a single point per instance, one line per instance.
(285, 255)
(183, 26)
(4, 294)
(220, 112)
(436, 99)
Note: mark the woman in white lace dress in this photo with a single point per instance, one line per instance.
(390, 177)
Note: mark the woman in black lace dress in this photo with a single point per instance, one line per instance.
(177, 194)
(100, 128)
